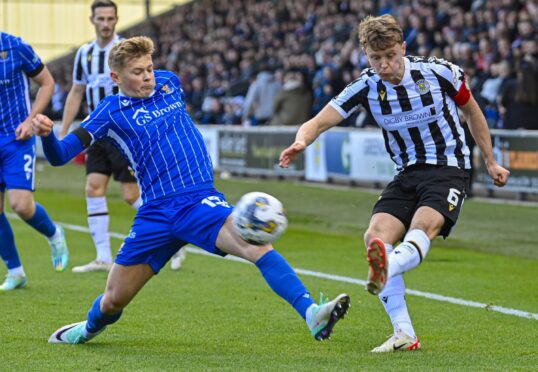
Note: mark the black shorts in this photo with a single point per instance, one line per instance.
(102, 157)
(442, 188)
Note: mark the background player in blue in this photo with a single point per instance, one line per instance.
(18, 62)
(415, 101)
(148, 122)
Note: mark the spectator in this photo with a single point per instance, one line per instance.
(221, 43)
(293, 103)
(522, 111)
(258, 108)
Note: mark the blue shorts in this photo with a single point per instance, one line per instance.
(17, 163)
(161, 227)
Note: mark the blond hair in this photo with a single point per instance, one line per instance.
(129, 49)
(380, 33)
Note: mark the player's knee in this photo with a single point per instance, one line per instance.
(95, 189)
(95, 192)
(24, 207)
(130, 198)
(431, 230)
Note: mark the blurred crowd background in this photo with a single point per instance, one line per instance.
(276, 62)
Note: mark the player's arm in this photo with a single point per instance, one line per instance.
(308, 132)
(72, 106)
(60, 152)
(480, 132)
(45, 81)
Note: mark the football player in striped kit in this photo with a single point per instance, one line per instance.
(91, 78)
(18, 64)
(149, 123)
(415, 101)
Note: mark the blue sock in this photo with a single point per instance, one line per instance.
(41, 221)
(8, 251)
(284, 281)
(98, 320)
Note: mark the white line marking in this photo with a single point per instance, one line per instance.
(338, 278)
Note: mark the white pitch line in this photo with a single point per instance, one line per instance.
(343, 279)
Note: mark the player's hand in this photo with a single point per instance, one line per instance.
(42, 125)
(498, 174)
(289, 154)
(24, 131)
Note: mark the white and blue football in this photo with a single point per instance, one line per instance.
(259, 218)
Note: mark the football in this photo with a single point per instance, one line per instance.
(259, 218)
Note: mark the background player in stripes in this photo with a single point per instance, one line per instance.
(414, 100)
(91, 78)
(18, 62)
(148, 121)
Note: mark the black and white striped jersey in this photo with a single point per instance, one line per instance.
(418, 117)
(91, 69)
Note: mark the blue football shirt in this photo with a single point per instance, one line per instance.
(157, 136)
(18, 61)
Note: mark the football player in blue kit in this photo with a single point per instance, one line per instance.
(147, 121)
(18, 63)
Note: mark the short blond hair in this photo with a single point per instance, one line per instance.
(380, 33)
(129, 49)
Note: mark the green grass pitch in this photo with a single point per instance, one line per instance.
(215, 314)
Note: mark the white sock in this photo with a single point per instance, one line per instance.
(308, 315)
(410, 253)
(98, 221)
(393, 299)
(18, 271)
(56, 235)
(137, 203)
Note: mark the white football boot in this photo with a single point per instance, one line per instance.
(399, 341)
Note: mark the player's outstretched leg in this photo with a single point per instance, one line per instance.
(82, 332)
(322, 318)
(399, 341)
(378, 266)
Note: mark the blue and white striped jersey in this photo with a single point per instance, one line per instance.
(157, 136)
(18, 61)
(418, 117)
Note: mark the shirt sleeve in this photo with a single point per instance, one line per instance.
(351, 98)
(31, 63)
(60, 152)
(453, 80)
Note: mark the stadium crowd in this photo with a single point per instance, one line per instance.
(279, 62)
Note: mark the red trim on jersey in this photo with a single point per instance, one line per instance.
(463, 95)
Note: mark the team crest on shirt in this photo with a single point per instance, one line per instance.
(166, 89)
(422, 86)
(382, 94)
(3, 55)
